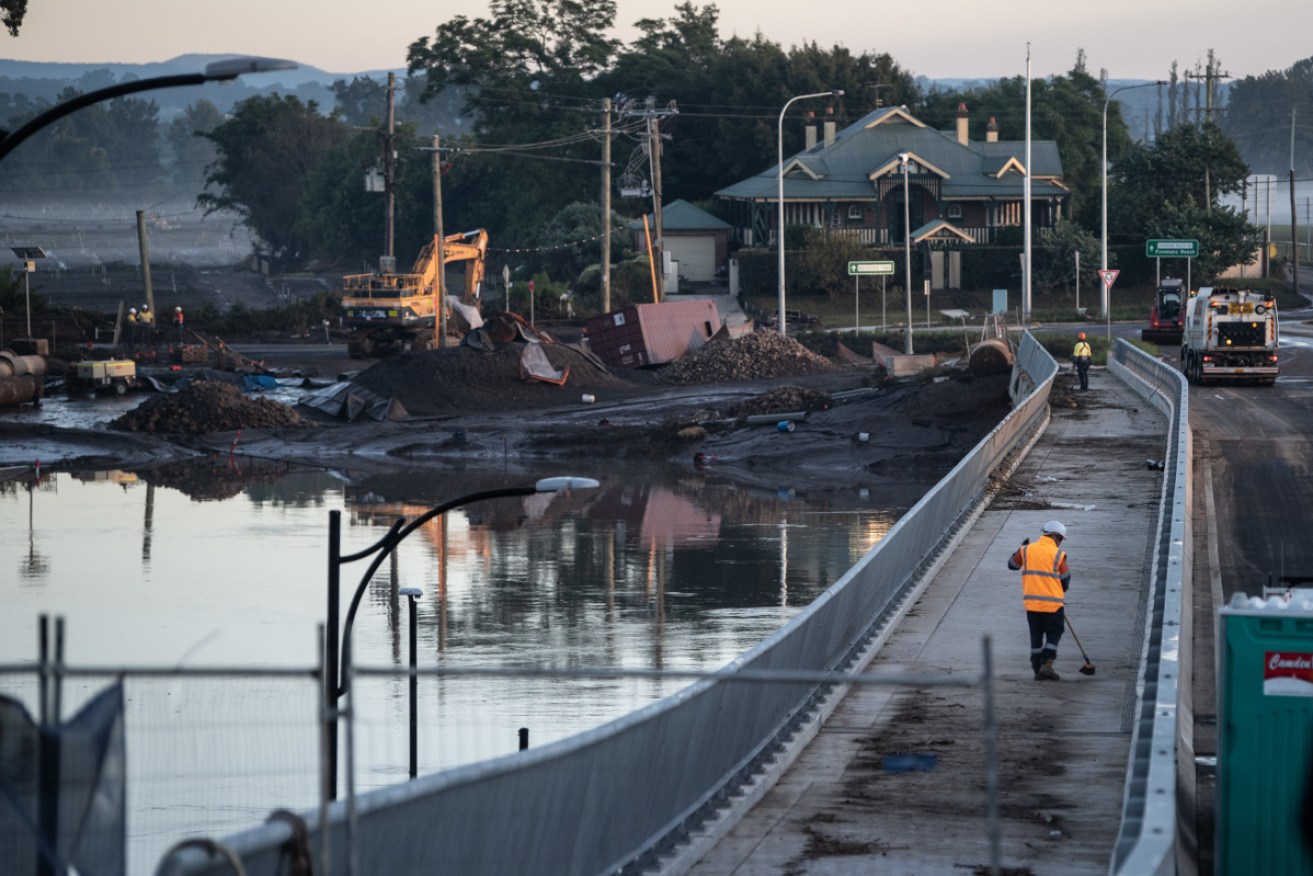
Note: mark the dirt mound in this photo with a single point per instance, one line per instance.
(785, 399)
(752, 357)
(465, 379)
(207, 406)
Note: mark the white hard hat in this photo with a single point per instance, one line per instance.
(179, 309)
(145, 307)
(132, 310)
(1055, 527)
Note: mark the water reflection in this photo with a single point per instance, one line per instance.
(226, 564)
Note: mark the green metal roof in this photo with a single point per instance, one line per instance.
(682, 216)
(843, 168)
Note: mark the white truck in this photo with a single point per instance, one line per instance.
(1230, 334)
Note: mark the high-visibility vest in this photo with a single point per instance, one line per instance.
(1041, 575)
(1082, 350)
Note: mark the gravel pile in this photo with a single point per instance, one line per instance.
(465, 379)
(207, 406)
(785, 399)
(755, 356)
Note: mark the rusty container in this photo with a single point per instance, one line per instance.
(652, 334)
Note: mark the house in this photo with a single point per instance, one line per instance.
(960, 191)
(696, 240)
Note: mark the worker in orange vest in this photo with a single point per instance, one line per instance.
(177, 322)
(1044, 581)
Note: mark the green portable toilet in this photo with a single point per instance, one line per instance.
(1266, 730)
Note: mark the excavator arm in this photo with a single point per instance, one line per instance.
(471, 246)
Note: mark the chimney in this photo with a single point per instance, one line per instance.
(811, 131)
(991, 130)
(829, 132)
(962, 123)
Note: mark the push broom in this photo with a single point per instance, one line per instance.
(1088, 668)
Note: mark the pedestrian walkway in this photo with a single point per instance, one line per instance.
(845, 807)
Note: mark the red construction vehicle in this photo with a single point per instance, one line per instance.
(1167, 318)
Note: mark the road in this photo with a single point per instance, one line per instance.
(1252, 456)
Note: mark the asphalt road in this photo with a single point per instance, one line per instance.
(1252, 457)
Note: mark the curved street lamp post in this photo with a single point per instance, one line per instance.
(337, 664)
(779, 230)
(1103, 165)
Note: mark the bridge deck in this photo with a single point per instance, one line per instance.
(1063, 747)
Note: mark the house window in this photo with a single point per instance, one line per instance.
(954, 211)
(854, 212)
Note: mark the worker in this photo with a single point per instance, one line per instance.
(146, 323)
(1080, 357)
(177, 322)
(1044, 581)
(131, 329)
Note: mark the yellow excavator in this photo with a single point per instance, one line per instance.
(386, 311)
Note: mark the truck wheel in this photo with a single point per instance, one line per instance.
(360, 347)
(120, 388)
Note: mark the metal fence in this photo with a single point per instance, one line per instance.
(615, 798)
(1147, 842)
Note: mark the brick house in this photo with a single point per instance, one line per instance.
(960, 191)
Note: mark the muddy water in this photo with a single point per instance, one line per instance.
(225, 565)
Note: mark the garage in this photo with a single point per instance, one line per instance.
(696, 256)
(694, 238)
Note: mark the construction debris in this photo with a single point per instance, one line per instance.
(756, 356)
(207, 406)
(783, 399)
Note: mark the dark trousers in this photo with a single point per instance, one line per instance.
(1083, 372)
(1045, 631)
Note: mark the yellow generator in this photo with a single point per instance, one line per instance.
(111, 375)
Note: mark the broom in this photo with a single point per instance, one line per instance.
(1088, 668)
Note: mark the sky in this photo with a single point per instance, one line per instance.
(1131, 39)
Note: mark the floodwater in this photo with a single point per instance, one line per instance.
(225, 565)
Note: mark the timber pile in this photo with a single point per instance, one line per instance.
(207, 406)
(756, 356)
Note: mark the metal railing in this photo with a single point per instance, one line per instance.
(615, 798)
(1147, 841)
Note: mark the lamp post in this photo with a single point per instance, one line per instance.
(411, 594)
(1103, 260)
(337, 663)
(219, 71)
(779, 230)
(904, 160)
(29, 255)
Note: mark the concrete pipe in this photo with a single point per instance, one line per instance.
(993, 356)
(14, 365)
(20, 390)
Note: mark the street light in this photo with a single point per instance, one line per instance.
(411, 594)
(335, 678)
(219, 71)
(779, 231)
(904, 160)
(1103, 261)
(29, 255)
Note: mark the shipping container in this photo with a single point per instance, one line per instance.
(652, 334)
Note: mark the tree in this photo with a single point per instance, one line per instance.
(1169, 189)
(11, 14)
(187, 136)
(1061, 246)
(267, 152)
(1258, 118)
(362, 101)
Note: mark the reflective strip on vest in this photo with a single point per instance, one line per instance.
(1041, 582)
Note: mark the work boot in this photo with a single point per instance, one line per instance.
(1046, 672)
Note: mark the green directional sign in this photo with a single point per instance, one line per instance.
(872, 269)
(1171, 249)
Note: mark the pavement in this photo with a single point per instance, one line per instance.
(847, 806)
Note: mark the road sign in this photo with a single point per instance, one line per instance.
(1171, 249)
(1109, 277)
(871, 269)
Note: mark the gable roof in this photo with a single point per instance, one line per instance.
(847, 168)
(941, 229)
(682, 216)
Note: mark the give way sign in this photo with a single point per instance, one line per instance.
(1108, 277)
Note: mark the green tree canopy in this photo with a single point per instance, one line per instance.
(268, 151)
(1259, 116)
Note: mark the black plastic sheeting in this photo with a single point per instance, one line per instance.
(63, 789)
(349, 401)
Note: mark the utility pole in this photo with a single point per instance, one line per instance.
(1211, 76)
(390, 171)
(658, 252)
(144, 244)
(606, 206)
(1294, 213)
(439, 299)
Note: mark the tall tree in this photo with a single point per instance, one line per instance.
(1169, 189)
(11, 14)
(1258, 117)
(192, 150)
(267, 152)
